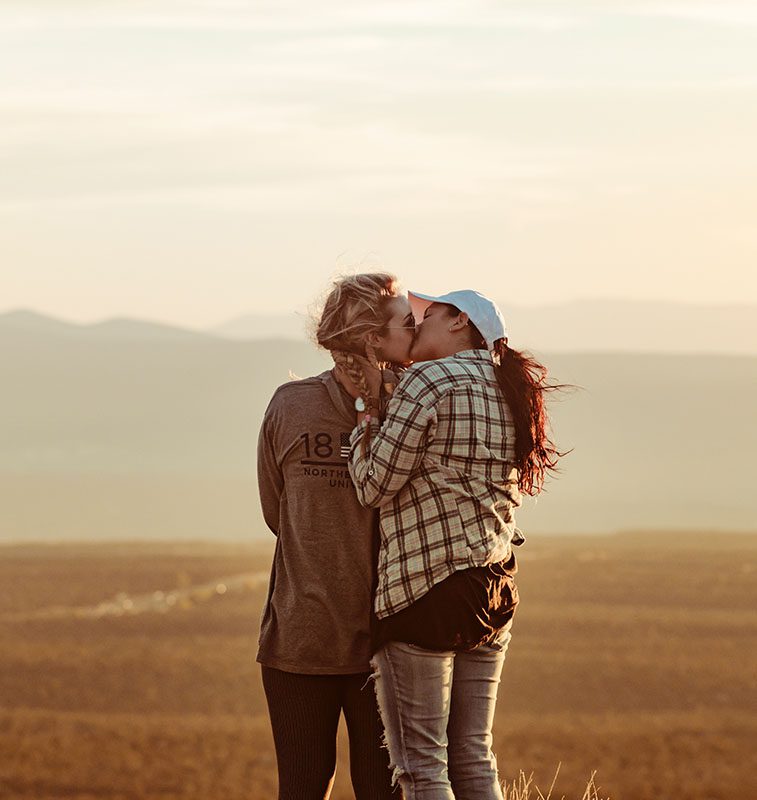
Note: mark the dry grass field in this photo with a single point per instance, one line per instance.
(632, 655)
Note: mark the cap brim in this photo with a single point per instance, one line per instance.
(420, 302)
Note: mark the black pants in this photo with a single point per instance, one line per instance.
(304, 711)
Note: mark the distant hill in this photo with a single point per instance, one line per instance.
(130, 437)
(581, 326)
(32, 323)
(263, 326)
(626, 326)
(634, 326)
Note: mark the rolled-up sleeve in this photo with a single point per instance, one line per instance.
(393, 452)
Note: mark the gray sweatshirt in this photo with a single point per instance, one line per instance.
(316, 619)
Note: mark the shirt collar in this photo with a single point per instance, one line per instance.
(474, 355)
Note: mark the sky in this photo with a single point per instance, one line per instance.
(193, 161)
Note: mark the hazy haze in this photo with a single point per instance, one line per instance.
(153, 436)
(190, 162)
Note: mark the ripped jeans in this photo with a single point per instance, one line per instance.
(437, 709)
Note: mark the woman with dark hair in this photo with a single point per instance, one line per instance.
(315, 633)
(465, 433)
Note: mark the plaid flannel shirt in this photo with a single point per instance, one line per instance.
(440, 468)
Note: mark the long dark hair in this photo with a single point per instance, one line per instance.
(523, 381)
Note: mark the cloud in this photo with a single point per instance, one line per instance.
(287, 16)
(389, 96)
(345, 162)
(723, 13)
(301, 17)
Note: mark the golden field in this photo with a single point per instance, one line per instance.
(632, 655)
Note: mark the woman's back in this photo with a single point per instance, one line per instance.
(316, 619)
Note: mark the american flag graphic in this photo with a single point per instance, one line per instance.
(344, 445)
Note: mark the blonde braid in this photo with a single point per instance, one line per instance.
(357, 374)
(356, 306)
(370, 352)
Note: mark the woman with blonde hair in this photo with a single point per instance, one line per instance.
(315, 634)
(465, 433)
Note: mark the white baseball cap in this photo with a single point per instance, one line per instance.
(481, 311)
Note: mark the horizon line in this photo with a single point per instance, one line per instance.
(125, 317)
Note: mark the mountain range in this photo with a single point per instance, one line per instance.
(143, 432)
(581, 326)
